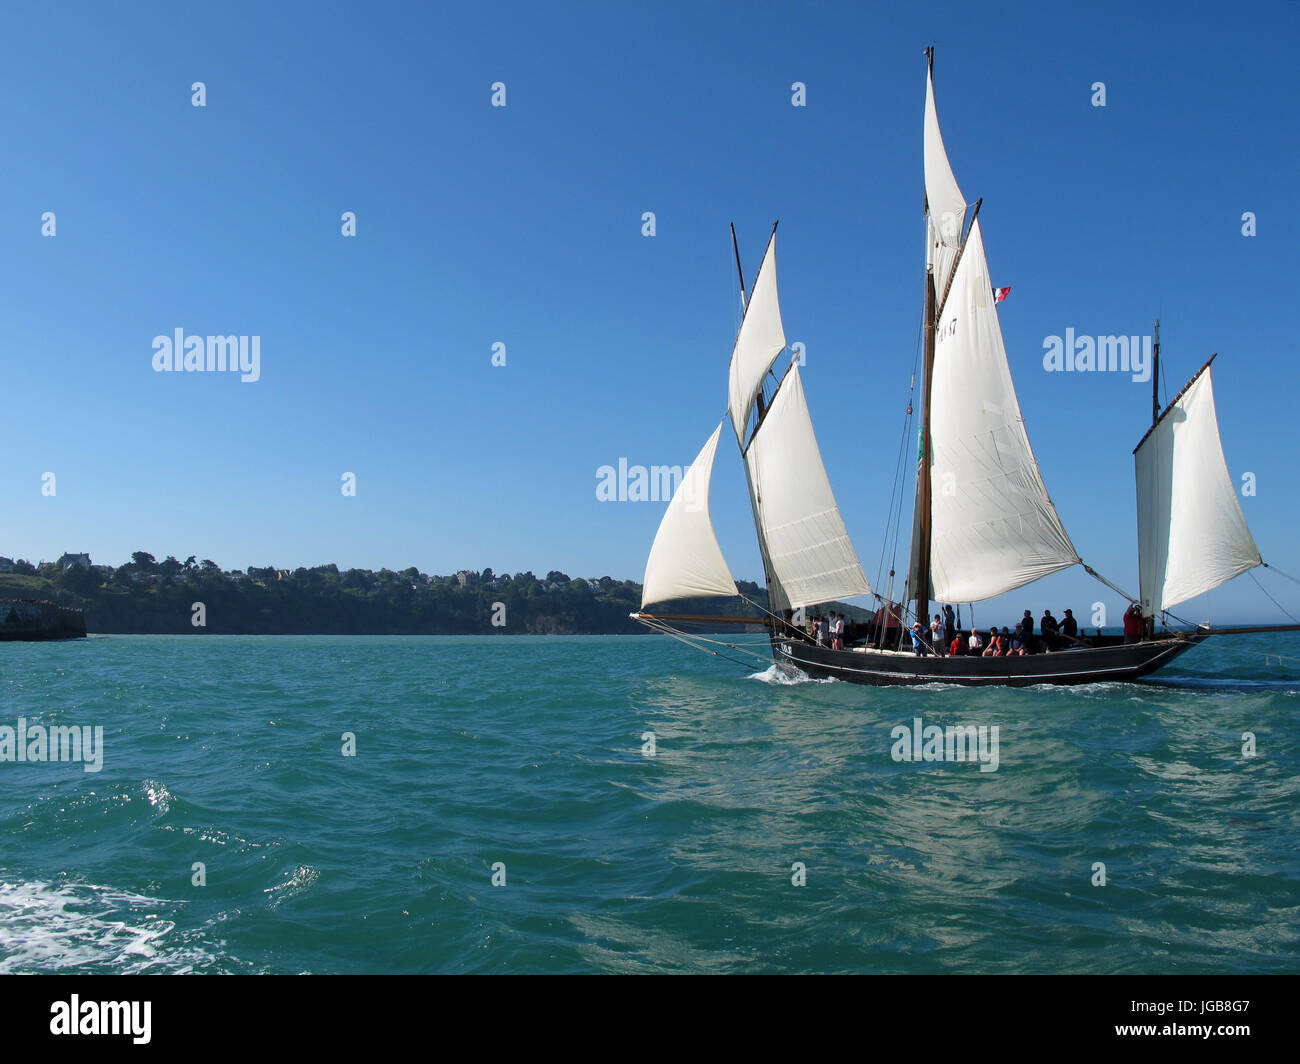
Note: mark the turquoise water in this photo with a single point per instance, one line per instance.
(528, 751)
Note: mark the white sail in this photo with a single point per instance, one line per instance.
(685, 560)
(808, 547)
(1192, 535)
(760, 340)
(994, 527)
(946, 207)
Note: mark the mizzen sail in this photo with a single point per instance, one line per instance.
(1192, 534)
(685, 560)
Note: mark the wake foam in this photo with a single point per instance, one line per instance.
(46, 928)
(788, 677)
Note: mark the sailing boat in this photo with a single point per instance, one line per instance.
(983, 522)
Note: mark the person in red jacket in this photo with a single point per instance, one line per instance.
(1133, 624)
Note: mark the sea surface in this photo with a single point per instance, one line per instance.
(527, 759)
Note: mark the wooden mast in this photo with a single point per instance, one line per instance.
(1149, 620)
(923, 515)
(744, 299)
(921, 534)
(1155, 375)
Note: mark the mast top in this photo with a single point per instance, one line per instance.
(744, 299)
(1155, 376)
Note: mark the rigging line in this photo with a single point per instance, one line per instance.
(884, 542)
(1275, 569)
(894, 518)
(764, 609)
(781, 620)
(741, 647)
(897, 496)
(681, 637)
(1118, 590)
(1121, 592)
(1272, 599)
(895, 499)
(695, 642)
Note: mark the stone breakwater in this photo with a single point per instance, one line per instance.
(34, 619)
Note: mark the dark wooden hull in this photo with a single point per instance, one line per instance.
(1120, 662)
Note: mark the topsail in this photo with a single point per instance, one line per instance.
(760, 340)
(945, 205)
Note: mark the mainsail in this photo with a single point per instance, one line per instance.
(806, 544)
(760, 340)
(994, 528)
(1192, 534)
(685, 560)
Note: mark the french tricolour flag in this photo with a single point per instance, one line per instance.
(999, 294)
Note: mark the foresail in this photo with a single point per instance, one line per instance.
(685, 560)
(946, 208)
(760, 340)
(808, 547)
(1192, 534)
(994, 527)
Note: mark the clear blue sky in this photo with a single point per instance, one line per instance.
(523, 225)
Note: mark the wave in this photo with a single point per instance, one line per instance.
(1230, 683)
(301, 880)
(157, 795)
